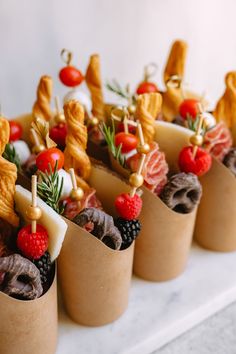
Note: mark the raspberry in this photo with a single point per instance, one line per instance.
(44, 265)
(198, 165)
(128, 207)
(32, 245)
(129, 230)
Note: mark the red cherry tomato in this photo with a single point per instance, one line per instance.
(15, 131)
(131, 128)
(128, 141)
(189, 107)
(146, 87)
(58, 134)
(70, 76)
(198, 165)
(50, 157)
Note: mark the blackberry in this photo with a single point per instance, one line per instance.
(129, 230)
(44, 265)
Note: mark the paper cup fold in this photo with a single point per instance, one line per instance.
(162, 248)
(216, 222)
(29, 327)
(94, 279)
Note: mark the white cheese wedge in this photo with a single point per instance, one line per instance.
(55, 225)
(171, 138)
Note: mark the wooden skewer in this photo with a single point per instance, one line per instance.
(57, 104)
(34, 200)
(140, 168)
(73, 178)
(198, 133)
(126, 128)
(140, 133)
(119, 119)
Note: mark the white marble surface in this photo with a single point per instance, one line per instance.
(158, 313)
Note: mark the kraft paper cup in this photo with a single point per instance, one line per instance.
(162, 247)
(216, 222)
(95, 279)
(29, 327)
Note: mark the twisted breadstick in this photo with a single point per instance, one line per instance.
(176, 61)
(94, 83)
(76, 143)
(226, 106)
(41, 108)
(8, 176)
(148, 107)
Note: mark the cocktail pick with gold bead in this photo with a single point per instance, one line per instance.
(59, 117)
(77, 193)
(197, 139)
(136, 179)
(37, 146)
(33, 212)
(122, 114)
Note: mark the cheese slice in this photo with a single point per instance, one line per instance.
(52, 221)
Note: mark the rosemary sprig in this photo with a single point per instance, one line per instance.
(109, 136)
(11, 155)
(50, 188)
(123, 92)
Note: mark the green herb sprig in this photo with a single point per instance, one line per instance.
(11, 155)
(109, 136)
(123, 92)
(50, 188)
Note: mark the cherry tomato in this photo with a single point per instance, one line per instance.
(50, 157)
(198, 165)
(189, 106)
(128, 141)
(15, 131)
(70, 76)
(131, 128)
(146, 87)
(58, 134)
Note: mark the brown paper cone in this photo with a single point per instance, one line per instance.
(117, 167)
(95, 279)
(162, 248)
(216, 223)
(29, 327)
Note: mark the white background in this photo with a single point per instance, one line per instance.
(126, 33)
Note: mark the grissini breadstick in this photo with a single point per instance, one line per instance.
(148, 107)
(174, 69)
(94, 83)
(8, 176)
(41, 107)
(76, 143)
(226, 106)
(176, 61)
